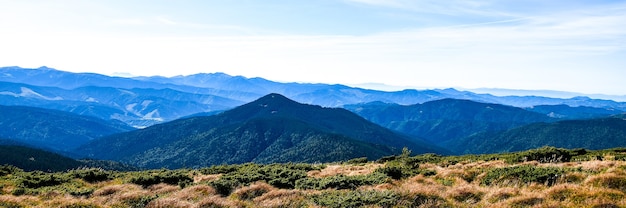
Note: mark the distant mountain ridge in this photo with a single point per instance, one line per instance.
(601, 133)
(447, 119)
(137, 106)
(270, 129)
(30, 158)
(145, 101)
(51, 129)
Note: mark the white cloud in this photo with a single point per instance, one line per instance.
(575, 51)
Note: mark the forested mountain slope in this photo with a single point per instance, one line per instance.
(270, 129)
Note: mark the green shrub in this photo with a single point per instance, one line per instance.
(356, 161)
(8, 169)
(283, 177)
(139, 202)
(38, 179)
(355, 198)
(523, 174)
(224, 186)
(543, 155)
(386, 159)
(341, 181)
(92, 175)
(18, 191)
(403, 168)
(178, 177)
(278, 175)
(78, 192)
(220, 169)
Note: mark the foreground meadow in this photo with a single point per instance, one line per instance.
(545, 177)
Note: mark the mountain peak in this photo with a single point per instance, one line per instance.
(275, 97)
(269, 105)
(275, 100)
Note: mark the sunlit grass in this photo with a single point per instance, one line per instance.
(439, 182)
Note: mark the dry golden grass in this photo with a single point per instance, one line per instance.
(281, 198)
(216, 202)
(254, 190)
(194, 193)
(608, 180)
(169, 203)
(205, 178)
(161, 189)
(16, 201)
(587, 184)
(348, 170)
(465, 194)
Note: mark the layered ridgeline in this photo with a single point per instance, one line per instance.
(270, 129)
(139, 107)
(144, 101)
(570, 113)
(54, 130)
(447, 120)
(599, 133)
(30, 158)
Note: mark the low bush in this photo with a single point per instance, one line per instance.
(341, 181)
(356, 198)
(404, 166)
(146, 179)
(78, 192)
(220, 169)
(356, 161)
(544, 155)
(8, 169)
(139, 201)
(38, 179)
(92, 175)
(224, 186)
(522, 174)
(278, 175)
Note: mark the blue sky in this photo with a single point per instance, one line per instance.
(571, 45)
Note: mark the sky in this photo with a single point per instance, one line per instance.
(568, 45)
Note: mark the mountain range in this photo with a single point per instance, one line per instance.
(206, 119)
(145, 101)
(53, 129)
(447, 119)
(268, 130)
(601, 133)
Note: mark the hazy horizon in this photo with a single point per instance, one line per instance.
(396, 88)
(570, 46)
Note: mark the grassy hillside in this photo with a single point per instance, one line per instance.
(546, 177)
